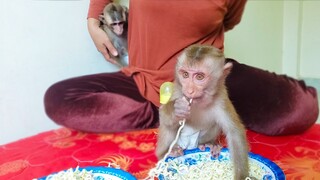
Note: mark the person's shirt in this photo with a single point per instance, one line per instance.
(160, 29)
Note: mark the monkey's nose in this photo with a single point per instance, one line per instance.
(190, 92)
(118, 30)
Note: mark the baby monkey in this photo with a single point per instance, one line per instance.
(114, 21)
(200, 76)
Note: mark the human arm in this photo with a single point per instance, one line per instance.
(234, 13)
(99, 37)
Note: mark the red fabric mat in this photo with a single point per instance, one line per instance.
(52, 151)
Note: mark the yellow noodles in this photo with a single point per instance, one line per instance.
(71, 174)
(210, 170)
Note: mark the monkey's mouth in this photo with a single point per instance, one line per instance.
(190, 100)
(194, 100)
(118, 31)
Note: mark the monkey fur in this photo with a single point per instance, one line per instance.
(114, 21)
(200, 75)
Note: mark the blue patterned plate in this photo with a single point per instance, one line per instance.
(191, 157)
(105, 173)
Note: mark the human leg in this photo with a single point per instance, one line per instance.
(106, 102)
(271, 104)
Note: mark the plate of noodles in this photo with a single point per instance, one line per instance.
(90, 173)
(197, 164)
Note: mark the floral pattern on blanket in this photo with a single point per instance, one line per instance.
(56, 150)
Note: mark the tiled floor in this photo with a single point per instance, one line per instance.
(315, 83)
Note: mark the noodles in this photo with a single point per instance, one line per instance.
(111, 172)
(71, 174)
(210, 170)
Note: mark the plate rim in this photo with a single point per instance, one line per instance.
(102, 169)
(277, 171)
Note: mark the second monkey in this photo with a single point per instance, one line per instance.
(114, 21)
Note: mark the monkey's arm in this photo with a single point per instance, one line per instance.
(166, 136)
(236, 139)
(168, 115)
(167, 129)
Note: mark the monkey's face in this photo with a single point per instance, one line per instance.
(195, 81)
(115, 16)
(117, 27)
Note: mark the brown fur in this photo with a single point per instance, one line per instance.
(213, 113)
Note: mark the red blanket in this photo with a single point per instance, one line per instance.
(298, 156)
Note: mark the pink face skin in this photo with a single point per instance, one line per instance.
(117, 27)
(194, 81)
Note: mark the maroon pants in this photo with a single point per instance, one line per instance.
(110, 102)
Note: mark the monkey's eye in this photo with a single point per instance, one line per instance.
(199, 76)
(117, 23)
(185, 74)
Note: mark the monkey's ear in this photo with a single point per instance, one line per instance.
(125, 12)
(227, 69)
(101, 18)
(125, 9)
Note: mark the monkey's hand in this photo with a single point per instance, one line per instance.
(181, 109)
(101, 40)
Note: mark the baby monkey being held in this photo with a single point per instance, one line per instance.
(114, 22)
(200, 75)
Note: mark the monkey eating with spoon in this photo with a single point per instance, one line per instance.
(200, 98)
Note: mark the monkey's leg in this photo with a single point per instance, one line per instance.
(215, 149)
(176, 151)
(166, 137)
(208, 139)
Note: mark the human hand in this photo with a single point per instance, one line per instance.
(102, 41)
(181, 109)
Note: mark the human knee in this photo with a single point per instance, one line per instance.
(302, 115)
(52, 102)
